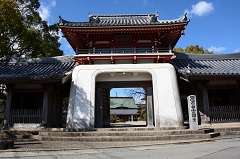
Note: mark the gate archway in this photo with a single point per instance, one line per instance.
(102, 107)
(163, 93)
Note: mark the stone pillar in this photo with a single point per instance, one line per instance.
(150, 114)
(192, 112)
(8, 107)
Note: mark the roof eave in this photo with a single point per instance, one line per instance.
(210, 77)
(28, 80)
(122, 26)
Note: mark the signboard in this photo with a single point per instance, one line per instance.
(192, 112)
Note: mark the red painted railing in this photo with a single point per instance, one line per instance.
(122, 50)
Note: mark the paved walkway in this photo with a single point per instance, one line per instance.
(220, 149)
(61, 145)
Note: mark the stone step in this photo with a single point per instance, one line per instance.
(129, 138)
(125, 133)
(128, 134)
(230, 133)
(227, 129)
(138, 129)
(214, 134)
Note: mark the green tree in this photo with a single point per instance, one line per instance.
(208, 52)
(193, 50)
(178, 49)
(23, 32)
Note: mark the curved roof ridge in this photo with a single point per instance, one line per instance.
(106, 20)
(119, 15)
(55, 59)
(207, 56)
(183, 18)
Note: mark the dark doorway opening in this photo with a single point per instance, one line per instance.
(104, 115)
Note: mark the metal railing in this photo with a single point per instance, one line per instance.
(224, 113)
(23, 116)
(123, 50)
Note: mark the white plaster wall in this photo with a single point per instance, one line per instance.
(124, 76)
(167, 107)
(81, 109)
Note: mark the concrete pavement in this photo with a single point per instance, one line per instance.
(221, 149)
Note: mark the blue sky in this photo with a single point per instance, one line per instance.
(214, 25)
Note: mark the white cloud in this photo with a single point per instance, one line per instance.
(200, 9)
(45, 8)
(237, 50)
(216, 49)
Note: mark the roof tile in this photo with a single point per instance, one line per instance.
(123, 20)
(207, 65)
(37, 68)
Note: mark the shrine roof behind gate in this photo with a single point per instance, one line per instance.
(123, 20)
(207, 66)
(119, 102)
(124, 112)
(47, 69)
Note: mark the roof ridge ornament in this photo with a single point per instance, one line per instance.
(185, 18)
(60, 20)
(154, 17)
(93, 18)
(156, 14)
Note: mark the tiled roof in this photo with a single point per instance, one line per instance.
(118, 102)
(37, 69)
(124, 111)
(123, 20)
(214, 65)
(56, 68)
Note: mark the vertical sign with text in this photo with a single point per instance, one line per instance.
(192, 112)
